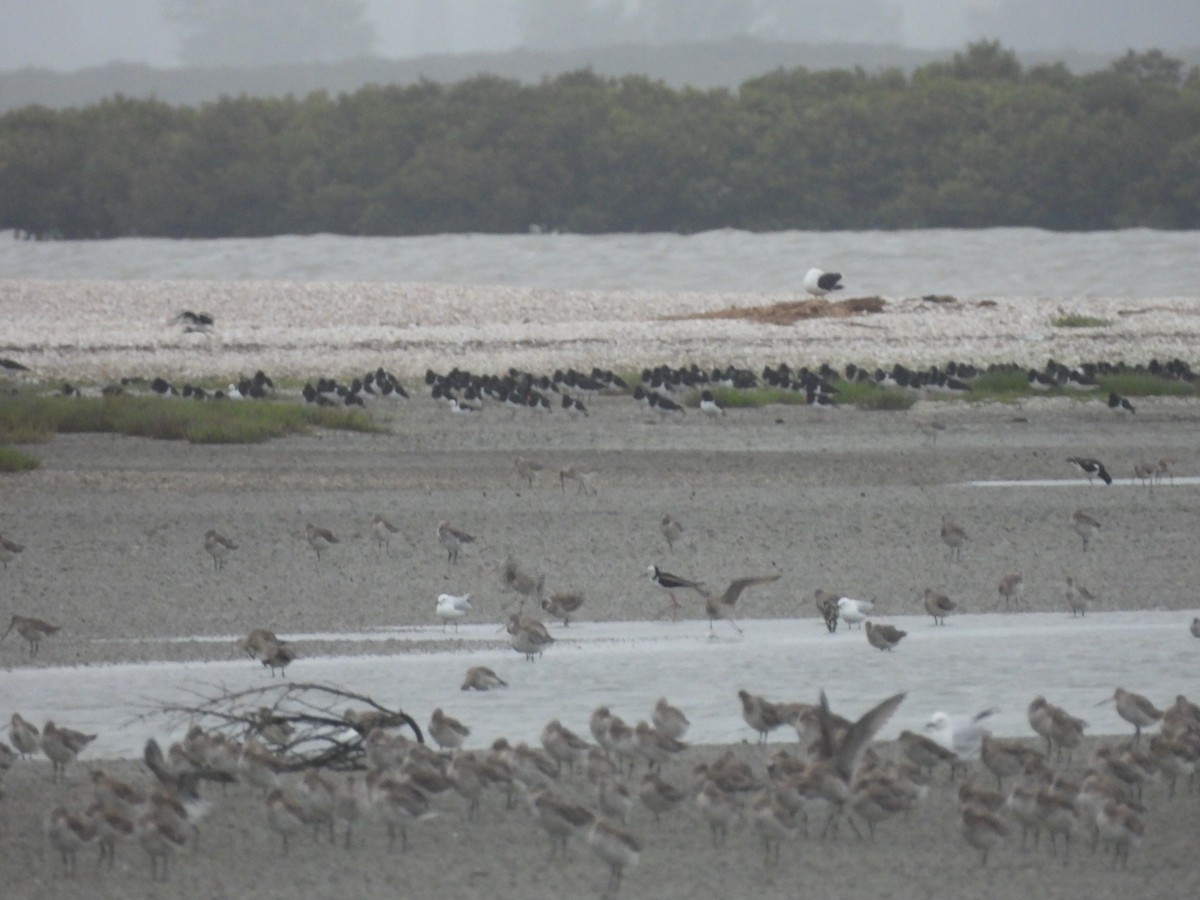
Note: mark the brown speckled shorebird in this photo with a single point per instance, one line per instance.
(1134, 709)
(884, 637)
(1011, 588)
(33, 630)
(938, 605)
(954, 537)
(671, 530)
(1084, 526)
(218, 547)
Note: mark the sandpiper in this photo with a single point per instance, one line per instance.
(827, 605)
(659, 796)
(722, 607)
(218, 547)
(1084, 526)
(319, 539)
(382, 530)
(1078, 597)
(562, 604)
(654, 745)
(1134, 709)
(451, 608)
(954, 537)
(452, 539)
(481, 678)
(521, 582)
(884, 637)
(926, 753)
(447, 731)
(671, 530)
(1092, 468)
(279, 657)
(671, 583)
(563, 744)
(9, 550)
(33, 630)
(938, 605)
(1010, 588)
(68, 834)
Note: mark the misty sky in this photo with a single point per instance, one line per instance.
(71, 34)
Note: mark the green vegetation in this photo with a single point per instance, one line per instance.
(28, 418)
(14, 460)
(973, 142)
(1076, 320)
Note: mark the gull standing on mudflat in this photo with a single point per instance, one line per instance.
(451, 608)
(853, 611)
(958, 733)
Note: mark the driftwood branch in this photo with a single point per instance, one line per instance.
(306, 722)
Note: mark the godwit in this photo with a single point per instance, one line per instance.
(61, 746)
(24, 736)
(560, 818)
(562, 604)
(884, 637)
(722, 607)
(938, 605)
(670, 719)
(671, 530)
(1135, 709)
(1078, 597)
(1084, 526)
(954, 537)
(527, 468)
(659, 796)
(448, 732)
(528, 636)
(584, 476)
(218, 547)
(982, 830)
(1010, 588)
(68, 834)
(319, 539)
(452, 540)
(33, 630)
(481, 678)
(761, 714)
(9, 550)
(617, 847)
(382, 530)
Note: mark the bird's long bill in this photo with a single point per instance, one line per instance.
(1109, 700)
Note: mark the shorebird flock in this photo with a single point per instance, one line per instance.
(573, 787)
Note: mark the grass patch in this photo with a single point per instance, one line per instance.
(1143, 384)
(14, 460)
(1076, 320)
(28, 418)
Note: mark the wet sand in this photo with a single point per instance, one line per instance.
(840, 499)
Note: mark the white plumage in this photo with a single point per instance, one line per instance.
(451, 608)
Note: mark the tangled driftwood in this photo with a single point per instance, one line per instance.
(309, 724)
